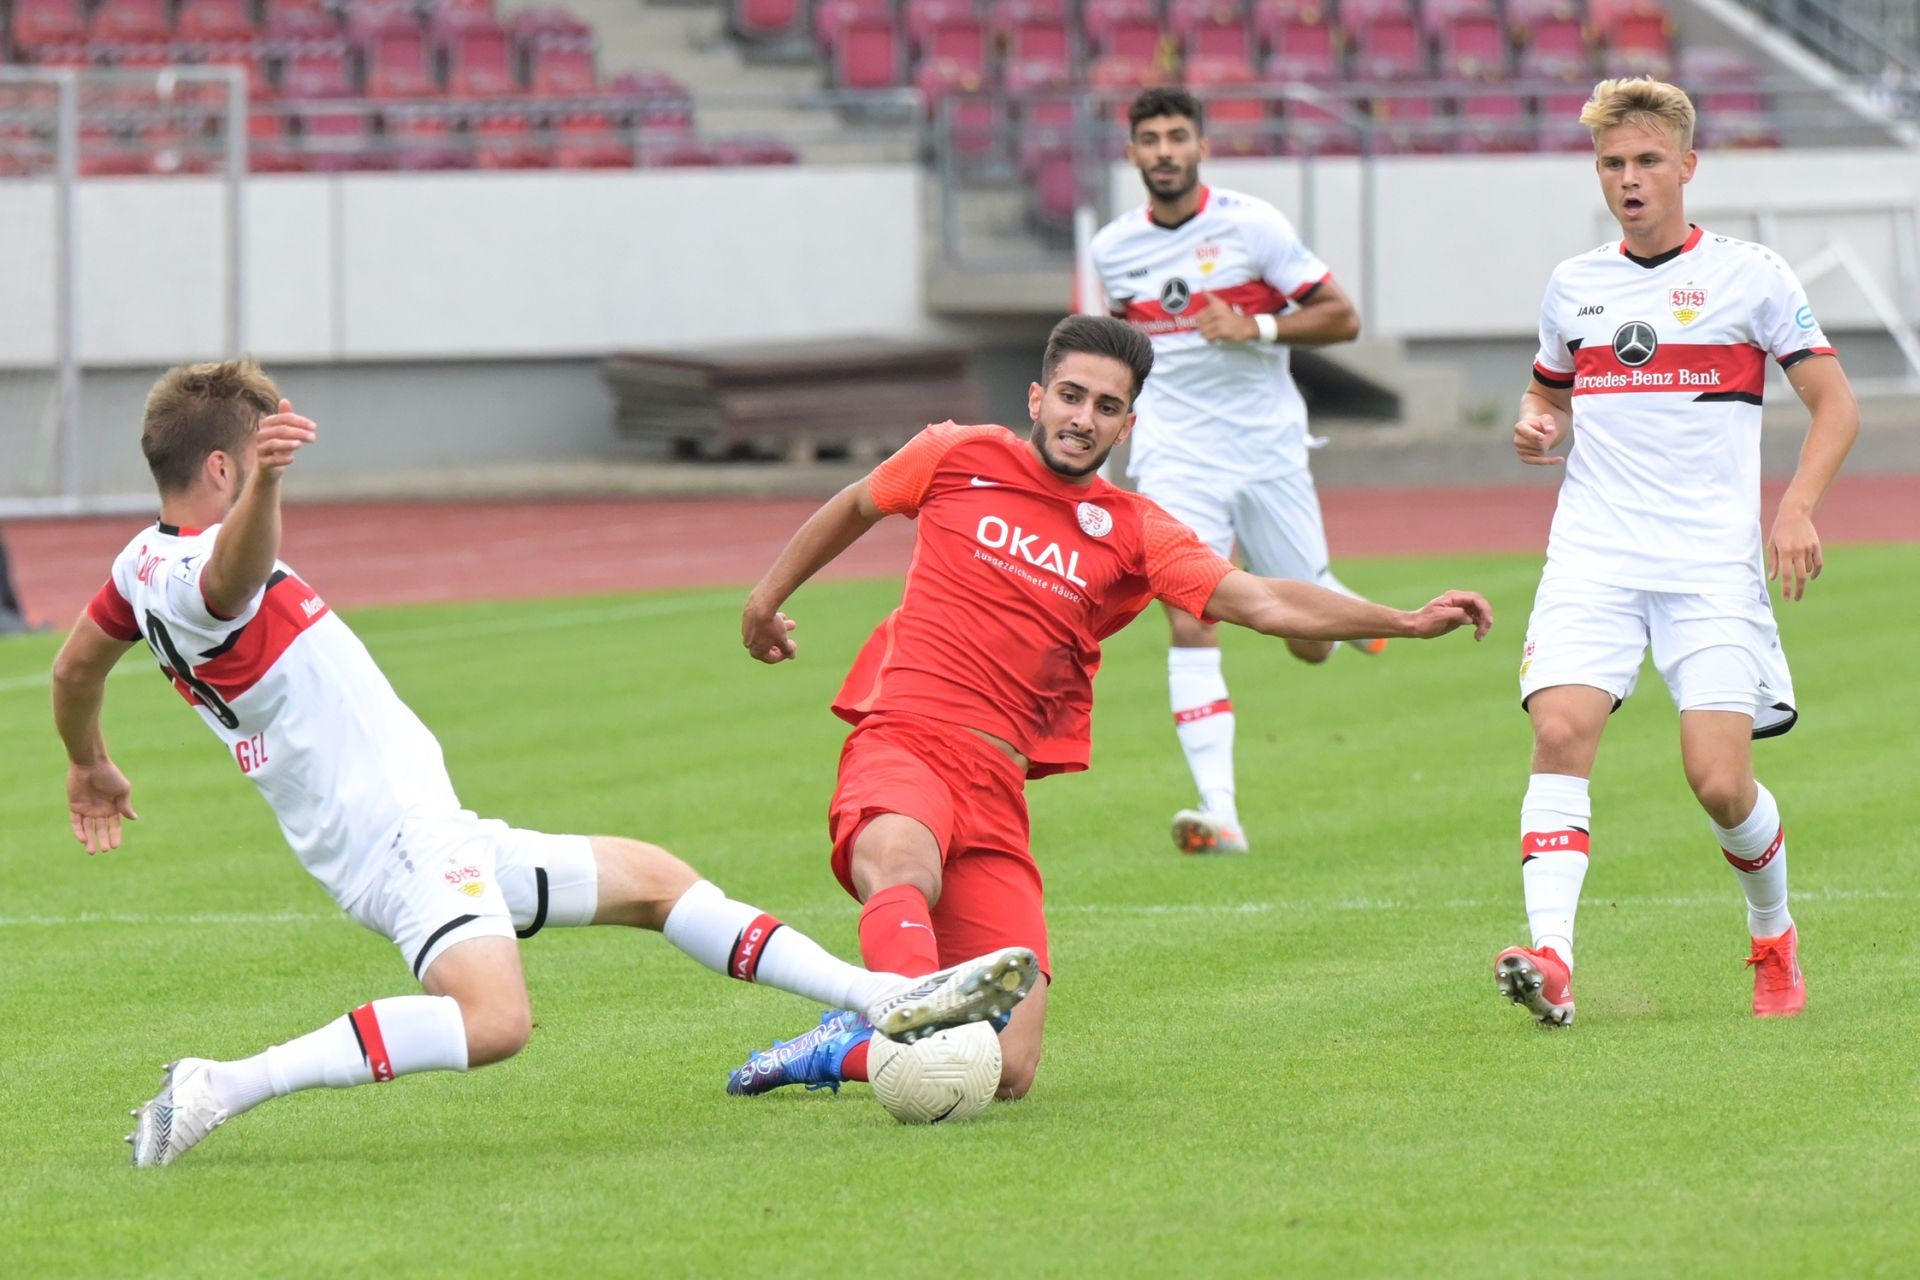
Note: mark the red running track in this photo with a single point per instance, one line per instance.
(402, 553)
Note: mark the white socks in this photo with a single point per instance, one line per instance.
(388, 1038)
(1757, 852)
(745, 942)
(1555, 818)
(1203, 717)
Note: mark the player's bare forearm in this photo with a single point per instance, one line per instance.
(1546, 419)
(1325, 318)
(1824, 389)
(837, 525)
(1293, 610)
(80, 689)
(245, 549)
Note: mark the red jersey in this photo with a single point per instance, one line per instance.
(1018, 574)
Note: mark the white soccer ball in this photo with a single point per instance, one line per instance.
(950, 1075)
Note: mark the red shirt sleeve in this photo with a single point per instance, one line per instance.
(112, 614)
(899, 485)
(1181, 569)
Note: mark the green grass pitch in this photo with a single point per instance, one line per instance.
(1289, 1064)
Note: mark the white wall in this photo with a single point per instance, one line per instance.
(422, 266)
(1461, 247)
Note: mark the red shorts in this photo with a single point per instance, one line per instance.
(972, 796)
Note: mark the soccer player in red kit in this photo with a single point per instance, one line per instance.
(983, 677)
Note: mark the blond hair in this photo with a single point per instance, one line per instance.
(1643, 101)
(199, 409)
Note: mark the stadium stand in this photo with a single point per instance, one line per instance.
(346, 85)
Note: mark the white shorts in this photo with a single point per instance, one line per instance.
(1717, 651)
(451, 877)
(1276, 521)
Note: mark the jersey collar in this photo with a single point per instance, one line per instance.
(1206, 194)
(175, 531)
(1662, 259)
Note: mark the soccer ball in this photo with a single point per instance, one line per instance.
(947, 1076)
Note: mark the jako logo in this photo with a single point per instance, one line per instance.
(1591, 311)
(998, 534)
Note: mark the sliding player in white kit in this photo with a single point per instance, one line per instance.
(1224, 287)
(1653, 352)
(361, 792)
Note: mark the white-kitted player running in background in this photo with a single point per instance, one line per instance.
(1653, 353)
(361, 792)
(1224, 288)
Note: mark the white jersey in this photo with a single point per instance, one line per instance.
(1229, 406)
(1666, 360)
(293, 694)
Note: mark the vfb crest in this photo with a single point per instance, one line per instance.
(1686, 304)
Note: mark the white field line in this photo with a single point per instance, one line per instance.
(605, 615)
(1169, 909)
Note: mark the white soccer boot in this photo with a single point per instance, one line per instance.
(182, 1113)
(980, 990)
(1197, 831)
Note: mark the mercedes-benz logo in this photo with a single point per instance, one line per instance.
(1175, 294)
(1634, 343)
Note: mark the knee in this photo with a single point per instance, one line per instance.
(1559, 743)
(1312, 651)
(1726, 794)
(498, 1027)
(884, 864)
(1017, 1071)
(639, 882)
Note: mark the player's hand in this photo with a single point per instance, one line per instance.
(1534, 437)
(1449, 612)
(98, 796)
(1793, 554)
(768, 638)
(279, 438)
(1217, 321)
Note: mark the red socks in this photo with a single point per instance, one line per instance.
(896, 933)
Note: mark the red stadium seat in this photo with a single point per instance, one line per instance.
(318, 69)
(964, 42)
(1437, 15)
(590, 140)
(420, 136)
(478, 53)
(1559, 124)
(1492, 121)
(753, 151)
(1524, 15)
(130, 22)
(1557, 50)
(563, 69)
(867, 56)
(1274, 14)
(1638, 45)
(1312, 129)
(1236, 125)
(674, 153)
(1390, 48)
(38, 24)
(1473, 47)
(1604, 14)
(1220, 41)
(1056, 191)
(921, 19)
(396, 58)
(766, 20)
(205, 22)
(1304, 51)
(1036, 53)
(1139, 41)
(1731, 132)
(504, 138)
(832, 18)
(1099, 18)
(1357, 16)
(1703, 65)
(1407, 126)
(1006, 17)
(268, 150)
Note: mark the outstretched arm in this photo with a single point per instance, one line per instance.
(1301, 611)
(248, 543)
(1793, 546)
(764, 630)
(98, 794)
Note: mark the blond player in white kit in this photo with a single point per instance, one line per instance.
(1653, 353)
(361, 792)
(1224, 287)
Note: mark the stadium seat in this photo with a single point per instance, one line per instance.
(674, 153)
(768, 19)
(1357, 16)
(1237, 125)
(1137, 41)
(971, 121)
(1056, 191)
(268, 150)
(1705, 64)
(1036, 53)
(921, 19)
(1524, 15)
(420, 136)
(478, 54)
(1307, 51)
(1605, 14)
(1473, 47)
(1556, 49)
(1220, 40)
(1184, 17)
(1559, 124)
(1007, 17)
(1407, 125)
(1390, 48)
(1732, 131)
(130, 22)
(590, 140)
(866, 55)
(1492, 121)
(504, 138)
(1638, 44)
(317, 69)
(1099, 19)
(1310, 128)
(37, 25)
(962, 40)
(832, 18)
(1437, 15)
(395, 55)
(209, 22)
(753, 151)
(562, 68)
